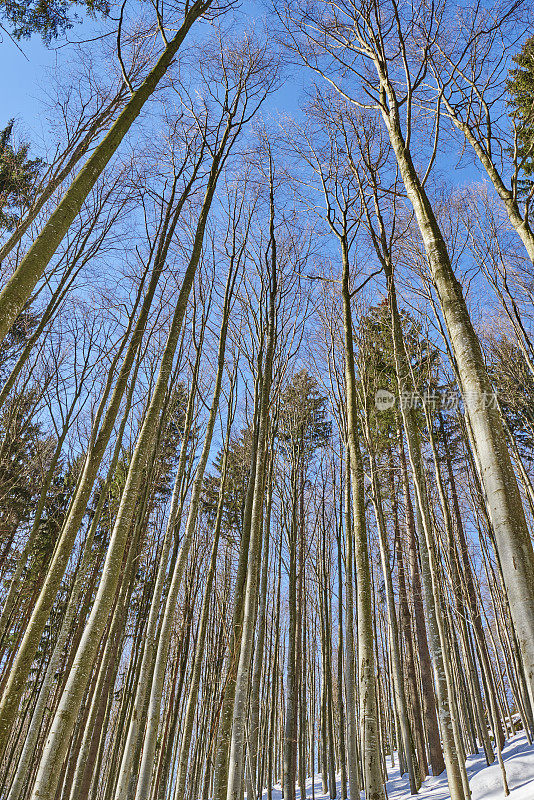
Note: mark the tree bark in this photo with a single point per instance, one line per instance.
(374, 788)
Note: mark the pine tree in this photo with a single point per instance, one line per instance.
(521, 90)
(18, 174)
(49, 18)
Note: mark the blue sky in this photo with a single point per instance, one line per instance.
(26, 63)
(25, 69)
(22, 71)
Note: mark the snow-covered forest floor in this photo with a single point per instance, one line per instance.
(485, 782)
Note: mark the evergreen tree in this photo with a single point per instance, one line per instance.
(237, 476)
(514, 386)
(521, 91)
(22, 442)
(303, 426)
(49, 18)
(18, 174)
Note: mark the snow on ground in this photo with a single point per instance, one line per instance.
(485, 782)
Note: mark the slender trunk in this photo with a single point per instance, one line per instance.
(191, 707)
(350, 679)
(83, 775)
(18, 289)
(255, 699)
(506, 195)
(237, 746)
(340, 705)
(374, 788)
(327, 648)
(477, 696)
(100, 436)
(154, 707)
(406, 627)
(291, 718)
(456, 774)
(274, 686)
(139, 707)
(65, 718)
(400, 703)
(224, 732)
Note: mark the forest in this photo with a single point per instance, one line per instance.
(267, 400)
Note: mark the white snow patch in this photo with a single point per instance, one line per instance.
(485, 782)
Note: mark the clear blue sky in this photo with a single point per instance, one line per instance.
(22, 73)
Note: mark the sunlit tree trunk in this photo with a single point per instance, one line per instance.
(340, 652)
(374, 788)
(154, 705)
(255, 691)
(400, 703)
(65, 717)
(32, 735)
(221, 760)
(456, 774)
(239, 720)
(191, 707)
(406, 627)
(292, 678)
(453, 565)
(353, 765)
(102, 430)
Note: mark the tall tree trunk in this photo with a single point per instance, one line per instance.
(154, 706)
(406, 628)
(224, 731)
(274, 685)
(291, 715)
(340, 701)
(191, 707)
(456, 588)
(468, 585)
(239, 721)
(83, 775)
(65, 718)
(140, 701)
(255, 691)
(101, 433)
(350, 679)
(32, 735)
(456, 774)
(400, 703)
(374, 788)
